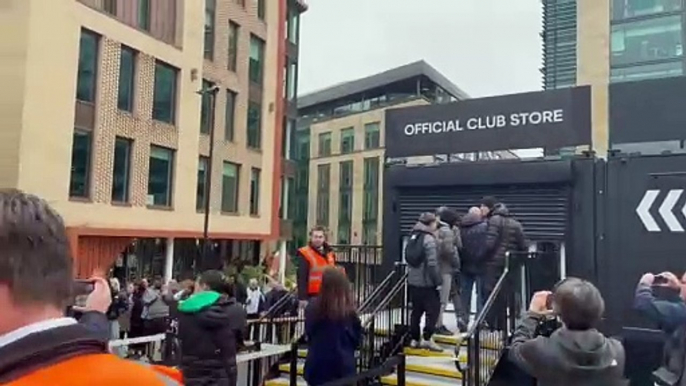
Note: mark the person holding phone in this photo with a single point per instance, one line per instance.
(39, 344)
(662, 298)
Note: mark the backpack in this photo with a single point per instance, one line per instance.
(415, 254)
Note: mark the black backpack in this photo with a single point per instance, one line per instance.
(415, 254)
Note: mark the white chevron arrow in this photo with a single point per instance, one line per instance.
(643, 211)
(667, 210)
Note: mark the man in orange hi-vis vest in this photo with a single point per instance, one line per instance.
(314, 258)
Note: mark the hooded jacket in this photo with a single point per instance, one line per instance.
(426, 275)
(504, 234)
(448, 244)
(474, 230)
(210, 329)
(567, 358)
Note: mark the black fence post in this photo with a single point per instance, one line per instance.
(293, 374)
(401, 370)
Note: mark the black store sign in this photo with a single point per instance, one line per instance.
(550, 119)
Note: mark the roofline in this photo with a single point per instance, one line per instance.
(341, 90)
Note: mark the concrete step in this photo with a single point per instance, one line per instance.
(437, 366)
(416, 379)
(284, 381)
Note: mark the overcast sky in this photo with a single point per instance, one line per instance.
(486, 47)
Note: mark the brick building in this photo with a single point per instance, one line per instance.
(106, 114)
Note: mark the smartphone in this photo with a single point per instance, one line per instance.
(82, 287)
(659, 280)
(549, 301)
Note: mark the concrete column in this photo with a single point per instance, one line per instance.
(169, 260)
(282, 262)
(593, 65)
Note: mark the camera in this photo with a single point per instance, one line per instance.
(547, 326)
(660, 279)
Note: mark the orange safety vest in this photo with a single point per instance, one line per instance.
(110, 370)
(317, 266)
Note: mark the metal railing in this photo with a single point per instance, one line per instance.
(363, 265)
(488, 335)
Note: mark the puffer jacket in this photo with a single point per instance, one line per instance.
(427, 275)
(473, 254)
(448, 243)
(504, 234)
(209, 326)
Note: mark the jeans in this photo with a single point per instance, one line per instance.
(425, 300)
(468, 282)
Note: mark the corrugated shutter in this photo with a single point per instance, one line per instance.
(541, 209)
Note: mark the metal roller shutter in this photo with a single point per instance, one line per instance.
(541, 209)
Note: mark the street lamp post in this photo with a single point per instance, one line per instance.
(206, 248)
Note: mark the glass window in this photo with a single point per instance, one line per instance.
(88, 67)
(372, 136)
(127, 70)
(347, 140)
(647, 40)
(164, 97)
(292, 81)
(160, 176)
(230, 178)
(121, 175)
(369, 230)
(230, 116)
(255, 191)
(346, 175)
(205, 107)
(79, 183)
(210, 16)
(256, 59)
(110, 6)
(254, 125)
(648, 71)
(293, 25)
(288, 136)
(624, 9)
(261, 10)
(344, 233)
(325, 144)
(234, 30)
(144, 14)
(302, 148)
(201, 192)
(371, 189)
(323, 176)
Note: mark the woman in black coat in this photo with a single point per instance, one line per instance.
(210, 323)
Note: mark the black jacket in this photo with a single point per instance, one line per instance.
(304, 271)
(210, 329)
(504, 234)
(567, 358)
(473, 230)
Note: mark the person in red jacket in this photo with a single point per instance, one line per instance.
(313, 258)
(39, 345)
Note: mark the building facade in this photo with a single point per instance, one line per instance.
(645, 39)
(339, 150)
(109, 120)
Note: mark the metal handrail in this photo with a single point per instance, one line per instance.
(386, 300)
(279, 303)
(376, 291)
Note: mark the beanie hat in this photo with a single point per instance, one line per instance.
(427, 218)
(489, 202)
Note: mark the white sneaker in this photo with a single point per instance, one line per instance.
(414, 344)
(431, 345)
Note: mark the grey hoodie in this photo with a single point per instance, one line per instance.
(448, 245)
(426, 275)
(568, 358)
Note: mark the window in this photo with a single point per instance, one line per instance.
(88, 67)
(371, 189)
(347, 140)
(345, 202)
(261, 10)
(302, 146)
(648, 71)
(323, 176)
(291, 82)
(325, 144)
(292, 25)
(201, 193)
(369, 230)
(79, 183)
(164, 97)
(110, 6)
(127, 69)
(160, 176)
(254, 125)
(255, 191)
(206, 107)
(121, 175)
(623, 9)
(144, 14)
(372, 136)
(230, 116)
(256, 59)
(647, 40)
(230, 178)
(288, 137)
(210, 16)
(234, 30)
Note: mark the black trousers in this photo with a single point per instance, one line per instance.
(427, 301)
